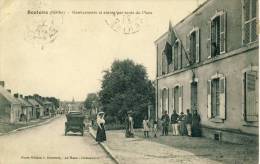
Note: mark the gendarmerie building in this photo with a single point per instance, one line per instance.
(209, 62)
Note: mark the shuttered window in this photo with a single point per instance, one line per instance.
(217, 34)
(176, 99)
(176, 55)
(193, 47)
(250, 91)
(250, 21)
(216, 96)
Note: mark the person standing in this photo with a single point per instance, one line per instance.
(146, 127)
(182, 119)
(155, 125)
(165, 123)
(174, 122)
(101, 134)
(188, 122)
(196, 130)
(129, 125)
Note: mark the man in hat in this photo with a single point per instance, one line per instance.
(165, 123)
(129, 125)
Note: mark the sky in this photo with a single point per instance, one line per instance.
(63, 53)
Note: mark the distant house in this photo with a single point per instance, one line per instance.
(27, 108)
(10, 108)
(38, 109)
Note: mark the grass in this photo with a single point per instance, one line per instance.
(5, 128)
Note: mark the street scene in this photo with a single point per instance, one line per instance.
(141, 82)
(48, 143)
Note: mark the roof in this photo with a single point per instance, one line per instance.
(24, 102)
(8, 96)
(34, 102)
(189, 15)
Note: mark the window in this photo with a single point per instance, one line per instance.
(215, 101)
(193, 44)
(177, 98)
(176, 55)
(216, 97)
(168, 53)
(217, 35)
(165, 93)
(250, 96)
(166, 58)
(249, 21)
(192, 47)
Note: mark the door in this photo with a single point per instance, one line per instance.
(194, 94)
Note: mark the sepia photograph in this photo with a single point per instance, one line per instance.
(129, 82)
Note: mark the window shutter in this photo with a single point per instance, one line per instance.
(251, 112)
(188, 49)
(209, 40)
(223, 18)
(222, 97)
(198, 45)
(167, 100)
(209, 98)
(161, 101)
(180, 56)
(173, 99)
(180, 97)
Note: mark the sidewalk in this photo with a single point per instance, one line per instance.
(176, 149)
(11, 128)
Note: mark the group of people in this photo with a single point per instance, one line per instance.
(182, 124)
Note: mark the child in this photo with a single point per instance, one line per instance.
(146, 127)
(155, 128)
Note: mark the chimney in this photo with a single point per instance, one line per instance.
(9, 90)
(16, 95)
(2, 83)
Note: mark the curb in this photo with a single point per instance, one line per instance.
(104, 146)
(30, 126)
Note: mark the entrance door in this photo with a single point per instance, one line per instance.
(194, 94)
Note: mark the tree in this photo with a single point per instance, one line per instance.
(126, 87)
(91, 100)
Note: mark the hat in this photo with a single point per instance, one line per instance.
(99, 113)
(129, 112)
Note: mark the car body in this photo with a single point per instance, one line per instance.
(75, 122)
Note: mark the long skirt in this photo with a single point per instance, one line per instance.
(101, 134)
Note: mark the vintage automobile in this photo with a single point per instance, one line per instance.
(75, 122)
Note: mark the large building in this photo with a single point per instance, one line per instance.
(209, 62)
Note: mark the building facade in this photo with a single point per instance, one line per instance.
(209, 62)
(10, 108)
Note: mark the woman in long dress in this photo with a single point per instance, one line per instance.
(101, 134)
(129, 125)
(195, 126)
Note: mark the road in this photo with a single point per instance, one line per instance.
(47, 144)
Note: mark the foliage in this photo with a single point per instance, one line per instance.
(55, 101)
(126, 87)
(91, 101)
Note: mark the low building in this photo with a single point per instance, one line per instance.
(27, 108)
(209, 62)
(37, 107)
(10, 108)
